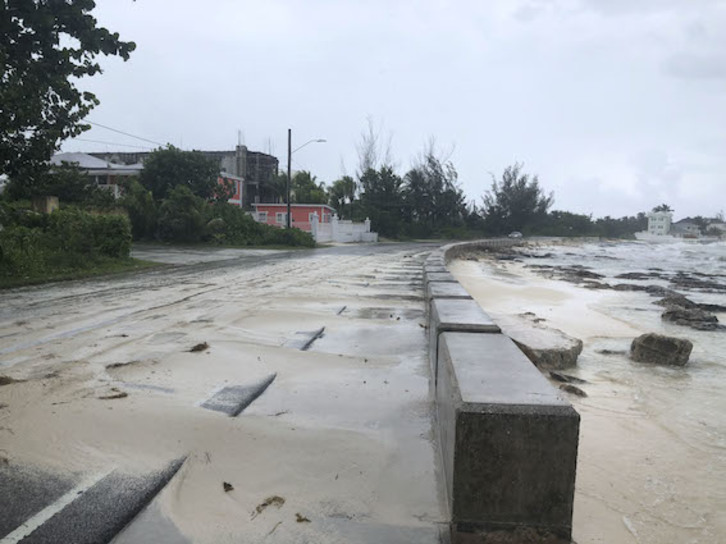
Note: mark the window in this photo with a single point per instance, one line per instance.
(311, 215)
(262, 217)
(281, 218)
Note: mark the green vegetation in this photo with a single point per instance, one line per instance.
(100, 267)
(64, 181)
(168, 168)
(516, 202)
(45, 48)
(61, 244)
(179, 200)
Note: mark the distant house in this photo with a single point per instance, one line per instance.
(109, 175)
(320, 220)
(686, 228)
(238, 185)
(302, 214)
(253, 169)
(659, 223)
(104, 174)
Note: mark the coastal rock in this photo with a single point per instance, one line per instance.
(658, 349)
(638, 276)
(691, 317)
(628, 287)
(676, 300)
(566, 378)
(704, 282)
(579, 273)
(610, 352)
(658, 291)
(546, 347)
(596, 285)
(572, 389)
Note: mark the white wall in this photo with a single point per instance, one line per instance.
(342, 231)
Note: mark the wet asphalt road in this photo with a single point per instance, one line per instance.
(359, 293)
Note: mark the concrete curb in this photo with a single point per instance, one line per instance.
(508, 441)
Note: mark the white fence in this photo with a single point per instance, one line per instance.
(339, 230)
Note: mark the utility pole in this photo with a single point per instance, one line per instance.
(289, 170)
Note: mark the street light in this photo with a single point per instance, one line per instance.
(290, 151)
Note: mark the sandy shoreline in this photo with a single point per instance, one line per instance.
(644, 474)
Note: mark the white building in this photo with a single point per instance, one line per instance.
(659, 223)
(104, 174)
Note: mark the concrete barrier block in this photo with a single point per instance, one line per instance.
(445, 289)
(431, 268)
(456, 315)
(508, 441)
(439, 276)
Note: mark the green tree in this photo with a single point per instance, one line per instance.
(562, 223)
(516, 202)
(305, 189)
(623, 227)
(66, 182)
(382, 200)
(169, 167)
(432, 196)
(182, 216)
(275, 189)
(342, 195)
(45, 47)
(141, 209)
(663, 208)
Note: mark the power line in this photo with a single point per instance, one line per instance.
(125, 133)
(110, 143)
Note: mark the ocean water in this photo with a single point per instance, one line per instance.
(652, 453)
(663, 443)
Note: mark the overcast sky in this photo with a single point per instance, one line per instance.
(617, 105)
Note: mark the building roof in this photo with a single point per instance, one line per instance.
(94, 164)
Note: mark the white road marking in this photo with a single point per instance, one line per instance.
(51, 510)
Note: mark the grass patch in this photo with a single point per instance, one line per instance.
(102, 267)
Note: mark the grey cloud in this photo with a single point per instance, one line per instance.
(696, 66)
(656, 170)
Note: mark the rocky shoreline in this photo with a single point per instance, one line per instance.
(650, 425)
(679, 309)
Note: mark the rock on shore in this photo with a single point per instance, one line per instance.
(683, 311)
(548, 348)
(658, 349)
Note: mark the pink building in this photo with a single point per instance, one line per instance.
(237, 183)
(302, 214)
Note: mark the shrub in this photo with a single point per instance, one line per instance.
(66, 239)
(22, 251)
(182, 216)
(141, 209)
(230, 225)
(112, 235)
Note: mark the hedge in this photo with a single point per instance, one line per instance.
(32, 243)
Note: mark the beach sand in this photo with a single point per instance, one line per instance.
(651, 457)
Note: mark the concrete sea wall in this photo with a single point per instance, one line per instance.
(507, 440)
